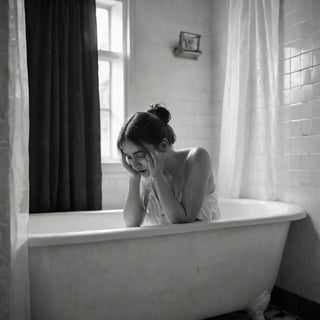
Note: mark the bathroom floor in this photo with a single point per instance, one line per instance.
(272, 313)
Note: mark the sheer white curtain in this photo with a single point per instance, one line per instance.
(19, 159)
(249, 117)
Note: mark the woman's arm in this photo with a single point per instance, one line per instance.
(133, 211)
(172, 208)
(194, 190)
(199, 180)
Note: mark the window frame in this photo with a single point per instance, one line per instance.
(112, 57)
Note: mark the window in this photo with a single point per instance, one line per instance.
(111, 33)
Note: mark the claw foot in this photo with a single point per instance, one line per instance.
(257, 308)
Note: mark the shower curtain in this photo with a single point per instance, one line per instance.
(249, 118)
(19, 164)
(64, 145)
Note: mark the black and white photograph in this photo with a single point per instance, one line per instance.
(160, 160)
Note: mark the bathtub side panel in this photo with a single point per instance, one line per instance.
(184, 276)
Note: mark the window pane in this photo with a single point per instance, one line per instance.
(110, 28)
(105, 134)
(116, 31)
(103, 29)
(104, 84)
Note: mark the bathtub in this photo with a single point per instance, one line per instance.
(87, 265)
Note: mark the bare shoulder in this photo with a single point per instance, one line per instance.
(194, 159)
(200, 172)
(199, 156)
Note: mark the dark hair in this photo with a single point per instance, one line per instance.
(150, 126)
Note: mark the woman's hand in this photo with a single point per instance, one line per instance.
(155, 163)
(133, 173)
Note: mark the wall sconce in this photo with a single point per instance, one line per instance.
(189, 45)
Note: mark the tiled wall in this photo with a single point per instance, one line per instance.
(299, 162)
(299, 166)
(184, 85)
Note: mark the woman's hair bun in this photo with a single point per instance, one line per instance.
(160, 111)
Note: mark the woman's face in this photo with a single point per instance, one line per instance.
(136, 156)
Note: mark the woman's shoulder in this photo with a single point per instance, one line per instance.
(199, 167)
(198, 155)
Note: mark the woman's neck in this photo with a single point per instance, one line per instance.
(173, 162)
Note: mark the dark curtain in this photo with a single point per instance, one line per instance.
(64, 144)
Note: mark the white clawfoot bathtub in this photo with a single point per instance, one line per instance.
(87, 265)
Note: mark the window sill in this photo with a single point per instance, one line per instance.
(112, 167)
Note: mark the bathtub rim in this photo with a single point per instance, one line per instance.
(294, 212)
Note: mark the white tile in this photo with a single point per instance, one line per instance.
(283, 177)
(316, 73)
(306, 15)
(307, 92)
(295, 48)
(316, 41)
(286, 97)
(296, 145)
(316, 17)
(287, 129)
(294, 162)
(286, 81)
(290, 18)
(306, 110)
(305, 179)
(315, 196)
(295, 64)
(305, 161)
(295, 112)
(315, 179)
(306, 76)
(307, 27)
(287, 66)
(305, 127)
(315, 108)
(295, 178)
(316, 90)
(295, 79)
(315, 161)
(284, 114)
(315, 144)
(293, 33)
(306, 60)
(286, 52)
(316, 126)
(315, 57)
(296, 95)
(306, 44)
(286, 145)
(294, 128)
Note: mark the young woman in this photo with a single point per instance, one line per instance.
(166, 185)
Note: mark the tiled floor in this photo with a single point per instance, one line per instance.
(272, 313)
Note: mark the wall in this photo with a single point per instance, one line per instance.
(299, 166)
(184, 85)
(299, 161)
